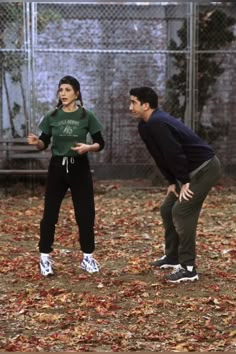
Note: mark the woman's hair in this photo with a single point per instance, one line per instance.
(145, 95)
(70, 80)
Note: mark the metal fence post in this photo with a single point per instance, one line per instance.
(191, 111)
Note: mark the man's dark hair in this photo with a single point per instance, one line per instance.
(145, 95)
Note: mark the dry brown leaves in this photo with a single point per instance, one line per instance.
(127, 306)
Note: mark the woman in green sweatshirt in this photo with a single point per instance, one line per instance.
(66, 129)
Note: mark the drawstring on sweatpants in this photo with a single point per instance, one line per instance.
(65, 162)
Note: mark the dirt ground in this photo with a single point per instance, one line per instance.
(127, 306)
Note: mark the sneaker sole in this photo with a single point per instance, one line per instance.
(90, 272)
(163, 266)
(46, 274)
(183, 279)
(166, 266)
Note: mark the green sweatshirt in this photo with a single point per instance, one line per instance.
(69, 128)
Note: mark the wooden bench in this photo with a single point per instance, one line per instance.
(19, 158)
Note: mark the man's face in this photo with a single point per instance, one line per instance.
(136, 108)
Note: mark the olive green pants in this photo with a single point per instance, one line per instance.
(180, 218)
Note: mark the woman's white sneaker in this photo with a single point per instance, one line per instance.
(46, 265)
(90, 265)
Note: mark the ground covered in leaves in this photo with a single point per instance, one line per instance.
(127, 306)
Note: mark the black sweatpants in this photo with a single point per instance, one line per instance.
(73, 173)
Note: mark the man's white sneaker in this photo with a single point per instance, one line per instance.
(90, 265)
(46, 265)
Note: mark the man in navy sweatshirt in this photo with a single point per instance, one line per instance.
(191, 168)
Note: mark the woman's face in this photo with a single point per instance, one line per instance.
(67, 95)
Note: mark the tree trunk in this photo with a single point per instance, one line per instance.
(11, 116)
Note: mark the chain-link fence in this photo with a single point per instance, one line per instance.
(185, 51)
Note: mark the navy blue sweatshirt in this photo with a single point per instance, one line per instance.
(176, 149)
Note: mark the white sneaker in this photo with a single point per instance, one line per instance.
(46, 265)
(90, 265)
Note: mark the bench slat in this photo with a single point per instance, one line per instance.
(28, 156)
(13, 140)
(18, 148)
(23, 172)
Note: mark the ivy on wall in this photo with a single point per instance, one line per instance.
(215, 32)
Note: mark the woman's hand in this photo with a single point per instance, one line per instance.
(185, 192)
(81, 148)
(32, 139)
